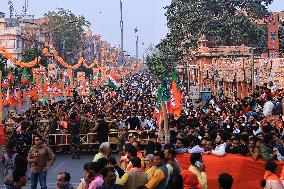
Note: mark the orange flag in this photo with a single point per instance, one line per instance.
(19, 99)
(25, 95)
(159, 115)
(33, 93)
(12, 100)
(5, 103)
(175, 101)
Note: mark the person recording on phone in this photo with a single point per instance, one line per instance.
(41, 158)
(198, 168)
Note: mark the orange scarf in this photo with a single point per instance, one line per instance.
(271, 176)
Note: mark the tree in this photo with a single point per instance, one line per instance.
(3, 65)
(229, 22)
(155, 65)
(66, 30)
(33, 53)
(29, 55)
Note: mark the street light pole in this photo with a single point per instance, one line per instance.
(137, 42)
(188, 77)
(252, 70)
(121, 30)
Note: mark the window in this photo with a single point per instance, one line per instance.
(18, 44)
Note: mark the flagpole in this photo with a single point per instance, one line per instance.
(160, 127)
(166, 122)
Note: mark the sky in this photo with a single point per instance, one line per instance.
(146, 15)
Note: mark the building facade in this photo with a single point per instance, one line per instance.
(20, 35)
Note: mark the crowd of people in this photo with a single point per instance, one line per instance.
(221, 125)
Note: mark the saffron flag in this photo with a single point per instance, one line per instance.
(11, 77)
(25, 95)
(11, 99)
(158, 114)
(6, 83)
(175, 103)
(17, 95)
(33, 94)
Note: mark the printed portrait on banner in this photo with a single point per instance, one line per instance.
(52, 71)
(278, 73)
(81, 78)
(263, 71)
(239, 69)
(273, 36)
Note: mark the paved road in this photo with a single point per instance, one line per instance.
(62, 163)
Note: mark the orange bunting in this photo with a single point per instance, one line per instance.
(45, 51)
(2, 48)
(91, 65)
(30, 64)
(12, 58)
(76, 66)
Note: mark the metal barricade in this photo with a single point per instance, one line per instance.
(89, 142)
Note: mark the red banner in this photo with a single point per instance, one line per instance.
(246, 172)
(273, 35)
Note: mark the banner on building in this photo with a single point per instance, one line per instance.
(52, 71)
(263, 71)
(81, 78)
(278, 72)
(239, 69)
(273, 36)
(38, 73)
(227, 67)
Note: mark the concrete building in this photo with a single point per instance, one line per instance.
(88, 50)
(20, 35)
(222, 69)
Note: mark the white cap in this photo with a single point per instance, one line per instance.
(150, 157)
(104, 145)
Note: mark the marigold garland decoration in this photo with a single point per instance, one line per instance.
(45, 52)
(12, 58)
(30, 64)
(63, 63)
(9, 56)
(2, 48)
(95, 62)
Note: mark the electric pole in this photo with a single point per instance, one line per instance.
(121, 30)
(252, 71)
(11, 8)
(137, 43)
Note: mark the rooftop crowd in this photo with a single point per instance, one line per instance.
(221, 125)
